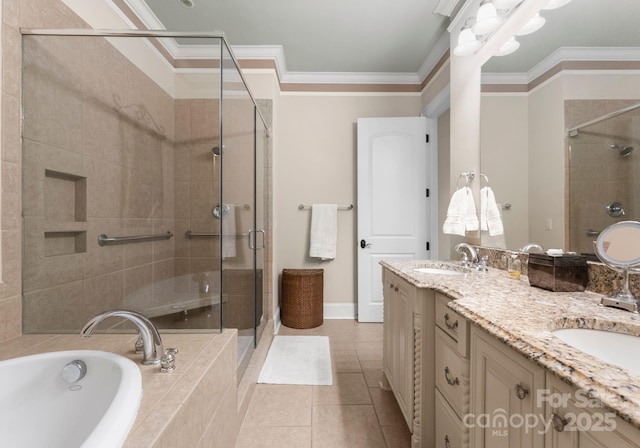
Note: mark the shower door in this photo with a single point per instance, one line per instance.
(240, 242)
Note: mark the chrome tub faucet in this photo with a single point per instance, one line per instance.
(152, 349)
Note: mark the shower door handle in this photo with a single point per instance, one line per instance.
(252, 242)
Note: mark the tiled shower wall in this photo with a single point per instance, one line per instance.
(98, 159)
(127, 269)
(17, 14)
(598, 175)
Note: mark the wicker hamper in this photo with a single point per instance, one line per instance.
(302, 297)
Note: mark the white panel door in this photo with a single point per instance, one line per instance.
(392, 204)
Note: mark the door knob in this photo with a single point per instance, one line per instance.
(364, 244)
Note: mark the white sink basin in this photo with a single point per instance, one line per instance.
(620, 349)
(437, 271)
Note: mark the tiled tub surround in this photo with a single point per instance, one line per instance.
(523, 317)
(194, 406)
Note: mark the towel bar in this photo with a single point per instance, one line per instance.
(340, 207)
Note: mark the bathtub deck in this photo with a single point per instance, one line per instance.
(183, 408)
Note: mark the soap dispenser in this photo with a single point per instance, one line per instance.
(514, 267)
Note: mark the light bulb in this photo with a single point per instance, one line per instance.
(508, 47)
(487, 20)
(533, 25)
(553, 4)
(468, 43)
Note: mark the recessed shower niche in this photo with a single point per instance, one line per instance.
(65, 213)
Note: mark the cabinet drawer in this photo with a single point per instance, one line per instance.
(450, 432)
(452, 323)
(452, 373)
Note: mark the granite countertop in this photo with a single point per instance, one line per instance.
(523, 317)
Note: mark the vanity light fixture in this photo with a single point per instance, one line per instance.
(508, 47)
(553, 4)
(533, 25)
(487, 20)
(468, 43)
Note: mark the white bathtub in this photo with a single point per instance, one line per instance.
(38, 408)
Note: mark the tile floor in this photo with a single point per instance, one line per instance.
(354, 412)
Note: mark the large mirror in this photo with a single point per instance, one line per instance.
(580, 66)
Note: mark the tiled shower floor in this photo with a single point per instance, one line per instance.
(354, 412)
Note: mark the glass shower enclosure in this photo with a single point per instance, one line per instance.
(604, 175)
(143, 183)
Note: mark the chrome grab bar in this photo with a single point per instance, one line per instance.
(340, 207)
(104, 239)
(189, 234)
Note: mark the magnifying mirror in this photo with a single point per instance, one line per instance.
(618, 246)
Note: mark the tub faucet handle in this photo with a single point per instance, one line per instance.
(168, 360)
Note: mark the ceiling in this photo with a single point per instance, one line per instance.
(383, 36)
(361, 36)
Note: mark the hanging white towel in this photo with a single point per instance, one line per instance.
(461, 214)
(324, 231)
(454, 222)
(490, 218)
(471, 223)
(228, 231)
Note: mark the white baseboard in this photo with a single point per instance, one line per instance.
(340, 311)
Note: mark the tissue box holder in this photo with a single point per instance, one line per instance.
(566, 273)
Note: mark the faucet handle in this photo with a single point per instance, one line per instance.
(139, 345)
(168, 360)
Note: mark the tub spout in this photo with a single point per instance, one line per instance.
(152, 350)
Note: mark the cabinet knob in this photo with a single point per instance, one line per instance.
(521, 391)
(446, 441)
(391, 285)
(452, 326)
(451, 382)
(395, 289)
(558, 422)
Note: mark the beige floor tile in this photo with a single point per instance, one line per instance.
(278, 405)
(386, 406)
(347, 388)
(397, 436)
(276, 437)
(346, 427)
(373, 377)
(368, 332)
(345, 361)
(340, 345)
(369, 350)
(374, 364)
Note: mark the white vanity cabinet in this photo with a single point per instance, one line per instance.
(398, 341)
(408, 354)
(576, 421)
(504, 387)
(451, 375)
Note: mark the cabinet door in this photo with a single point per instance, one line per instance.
(576, 421)
(503, 400)
(398, 350)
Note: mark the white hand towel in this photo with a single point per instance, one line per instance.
(228, 231)
(324, 231)
(471, 223)
(454, 223)
(490, 217)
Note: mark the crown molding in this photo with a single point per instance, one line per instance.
(564, 54)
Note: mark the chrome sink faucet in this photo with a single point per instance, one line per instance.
(152, 349)
(472, 253)
(532, 248)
